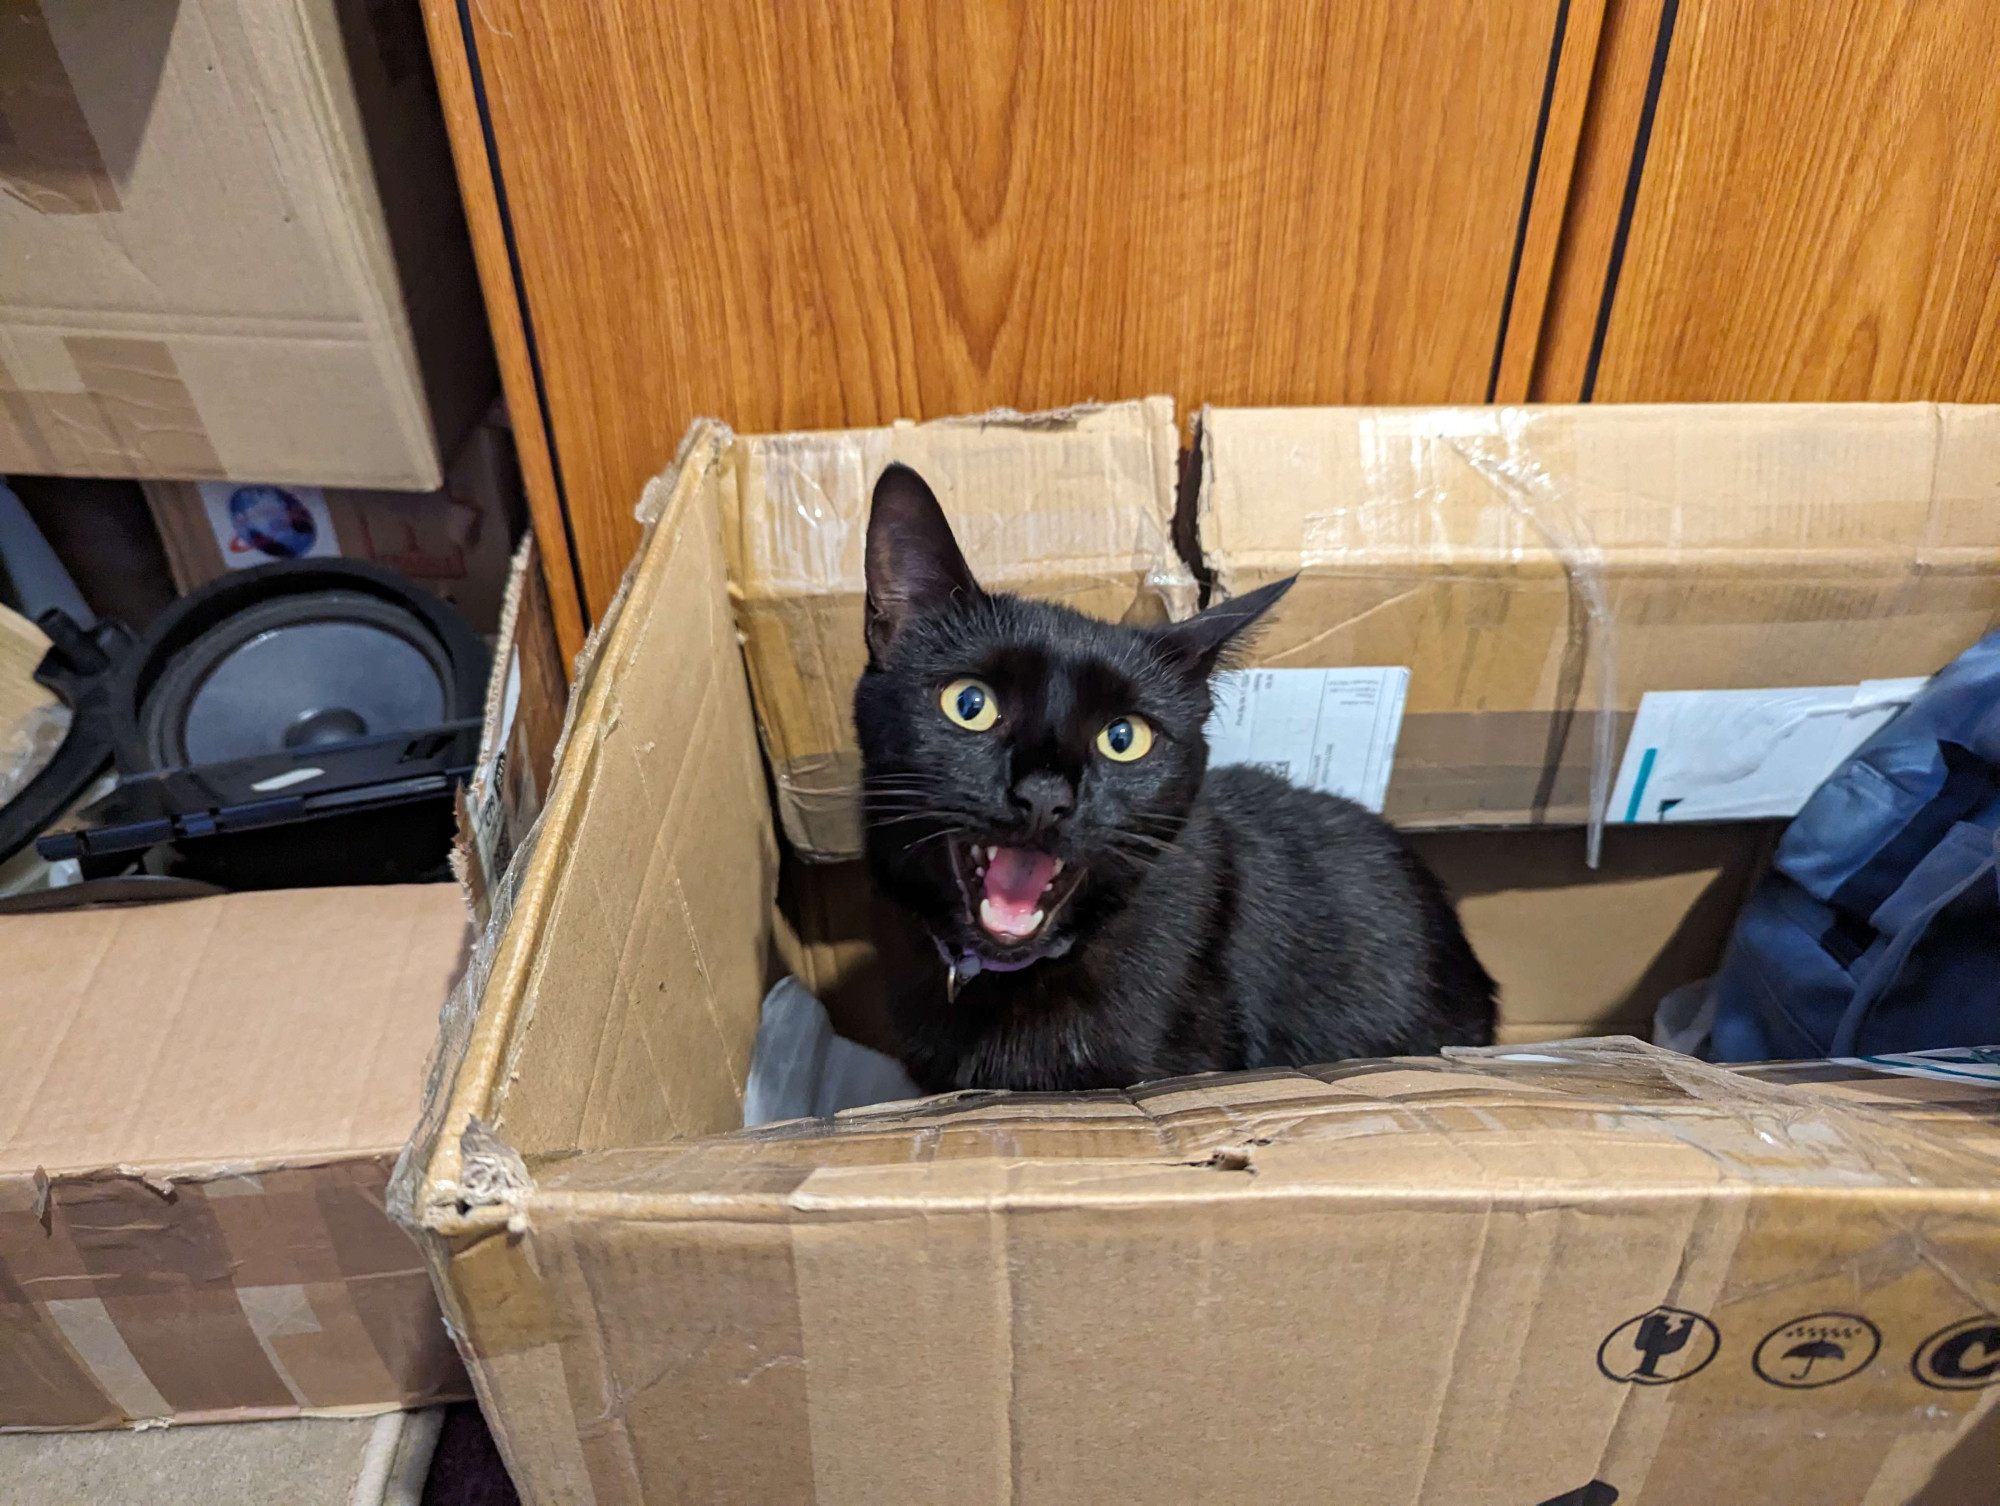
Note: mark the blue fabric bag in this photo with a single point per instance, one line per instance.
(1879, 928)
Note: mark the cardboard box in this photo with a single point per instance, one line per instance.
(1500, 1277)
(22, 645)
(456, 541)
(235, 246)
(1075, 507)
(1530, 566)
(202, 1104)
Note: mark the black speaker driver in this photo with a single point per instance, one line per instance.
(291, 657)
(298, 724)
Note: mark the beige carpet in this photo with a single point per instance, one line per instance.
(312, 1461)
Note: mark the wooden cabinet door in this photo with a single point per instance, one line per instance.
(788, 213)
(1785, 202)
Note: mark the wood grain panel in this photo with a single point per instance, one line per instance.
(1544, 214)
(1626, 43)
(1817, 220)
(799, 215)
(457, 91)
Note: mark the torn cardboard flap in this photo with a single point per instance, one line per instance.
(1538, 570)
(1075, 507)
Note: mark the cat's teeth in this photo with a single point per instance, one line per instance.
(1035, 921)
(1058, 869)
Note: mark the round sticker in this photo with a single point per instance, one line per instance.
(1816, 1350)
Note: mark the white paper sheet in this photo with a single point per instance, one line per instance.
(1324, 729)
(1728, 755)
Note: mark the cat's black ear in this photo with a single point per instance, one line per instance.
(1205, 640)
(914, 565)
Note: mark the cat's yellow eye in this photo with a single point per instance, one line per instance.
(970, 704)
(1127, 740)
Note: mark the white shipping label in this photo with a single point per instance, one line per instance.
(1741, 755)
(1333, 730)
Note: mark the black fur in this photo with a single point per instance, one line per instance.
(1204, 921)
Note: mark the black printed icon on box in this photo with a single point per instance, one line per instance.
(1596, 1493)
(1816, 1350)
(1963, 1357)
(1659, 1347)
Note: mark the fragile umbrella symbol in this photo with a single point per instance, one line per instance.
(1813, 1350)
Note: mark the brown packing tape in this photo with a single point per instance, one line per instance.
(48, 158)
(42, 1379)
(263, 1292)
(134, 413)
(140, 391)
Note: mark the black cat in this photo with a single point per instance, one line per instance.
(1105, 910)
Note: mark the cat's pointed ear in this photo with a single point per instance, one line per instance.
(914, 565)
(1207, 639)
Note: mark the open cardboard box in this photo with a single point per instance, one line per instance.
(202, 1103)
(1566, 1272)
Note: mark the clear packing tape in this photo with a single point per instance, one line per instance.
(1536, 498)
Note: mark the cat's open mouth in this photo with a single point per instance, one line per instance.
(1012, 893)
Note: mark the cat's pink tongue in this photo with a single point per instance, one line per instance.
(1015, 879)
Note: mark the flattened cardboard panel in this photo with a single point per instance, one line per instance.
(211, 1045)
